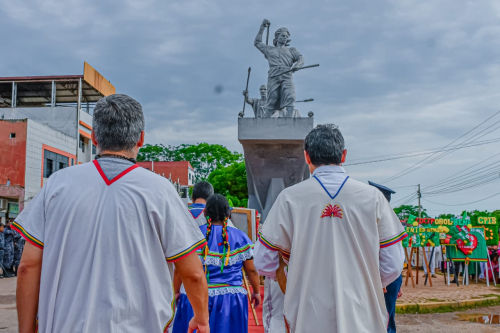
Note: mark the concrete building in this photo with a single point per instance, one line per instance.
(181, 172)
(45, 125)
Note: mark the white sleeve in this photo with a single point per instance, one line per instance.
(266, 261)
(391, 260)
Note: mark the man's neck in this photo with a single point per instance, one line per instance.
(314, 167)
(200, 201)
(124, 153)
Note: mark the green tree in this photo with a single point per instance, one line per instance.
(405, 210)
(204, 157)
(231, 181)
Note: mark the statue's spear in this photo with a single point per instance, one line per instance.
(244, 98)
(267, 37)
(306, 100)
(294, 69)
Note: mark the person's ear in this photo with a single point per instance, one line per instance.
(140, 143)
(308, 159)
(94, 141)
(344, 154)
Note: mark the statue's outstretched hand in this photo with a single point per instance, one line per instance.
(245, 93)
(266, 22)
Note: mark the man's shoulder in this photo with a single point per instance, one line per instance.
(299, 188)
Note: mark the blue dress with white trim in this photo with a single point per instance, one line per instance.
(228, 303)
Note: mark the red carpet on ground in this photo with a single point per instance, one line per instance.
(252, 327)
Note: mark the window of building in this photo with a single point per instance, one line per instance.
(94, 151)
(53, 162)
(12, 135)
(81, 144)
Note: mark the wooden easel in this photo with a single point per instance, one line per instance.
(409, 271)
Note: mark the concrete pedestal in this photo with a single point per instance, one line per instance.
(274, 157)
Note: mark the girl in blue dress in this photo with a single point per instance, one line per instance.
(228, 250)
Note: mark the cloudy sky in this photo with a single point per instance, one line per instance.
(396, 76)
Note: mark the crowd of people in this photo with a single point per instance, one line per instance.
(124, 253)
(11, 250)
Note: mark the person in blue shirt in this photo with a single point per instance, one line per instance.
(228, 250)
(201, 192)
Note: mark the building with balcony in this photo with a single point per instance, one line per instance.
(45, 125)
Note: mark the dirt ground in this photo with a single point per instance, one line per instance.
(428, 323)
(446, 322)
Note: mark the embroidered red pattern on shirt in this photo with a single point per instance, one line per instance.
(332, 211)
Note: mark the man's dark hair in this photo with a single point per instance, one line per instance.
(117, 122)
(325, 145)
(217, 208)
(202, 190)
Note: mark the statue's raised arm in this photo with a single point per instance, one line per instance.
(258, 39)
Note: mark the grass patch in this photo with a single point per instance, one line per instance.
(415, 308)
(435, 300)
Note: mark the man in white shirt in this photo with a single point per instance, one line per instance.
(107, 234)
(341, 241)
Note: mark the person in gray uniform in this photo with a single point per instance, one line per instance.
(18, 250)
(8, 252)
(2, 244)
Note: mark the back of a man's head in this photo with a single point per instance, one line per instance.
(117, 123)
(325, 145)
(202, 190)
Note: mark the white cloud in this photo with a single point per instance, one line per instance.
(397, 76)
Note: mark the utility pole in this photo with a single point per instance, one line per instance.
(419, 215)
(419, 206)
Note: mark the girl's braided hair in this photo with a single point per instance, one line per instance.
(217, 210)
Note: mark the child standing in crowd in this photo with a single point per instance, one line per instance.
(227, 252)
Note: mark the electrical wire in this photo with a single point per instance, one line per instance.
(422, 162)
(462, 204)
(414, 154)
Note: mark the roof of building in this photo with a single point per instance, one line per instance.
(384, 189)
(37, 90)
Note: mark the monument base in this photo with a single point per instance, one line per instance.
(274, 157)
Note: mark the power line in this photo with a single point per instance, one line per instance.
(421, 163)
(462, 204)
(455, 174)
(416, 153)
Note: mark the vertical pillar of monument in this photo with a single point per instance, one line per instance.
(274, 157)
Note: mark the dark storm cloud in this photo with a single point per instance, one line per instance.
(395, 75)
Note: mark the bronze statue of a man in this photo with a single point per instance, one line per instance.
(257, 104)
(280, 87)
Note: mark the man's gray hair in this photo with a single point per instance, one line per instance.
(117, 122)
(325, 145)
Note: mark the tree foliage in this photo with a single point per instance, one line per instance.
(231, 181)
(404, 211)
(204, 157)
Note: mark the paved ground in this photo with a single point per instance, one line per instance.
(441, 292)
(428, 323)
(8, 315)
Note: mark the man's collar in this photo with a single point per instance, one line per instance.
(197, 205)
(329, 169)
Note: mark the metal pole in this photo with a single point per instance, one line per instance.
(53, 95)
(78, 106)
(13, 102)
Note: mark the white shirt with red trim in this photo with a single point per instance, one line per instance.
(108, 247)
(332, 242)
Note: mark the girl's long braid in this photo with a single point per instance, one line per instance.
(225, 244)
(205, 248)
